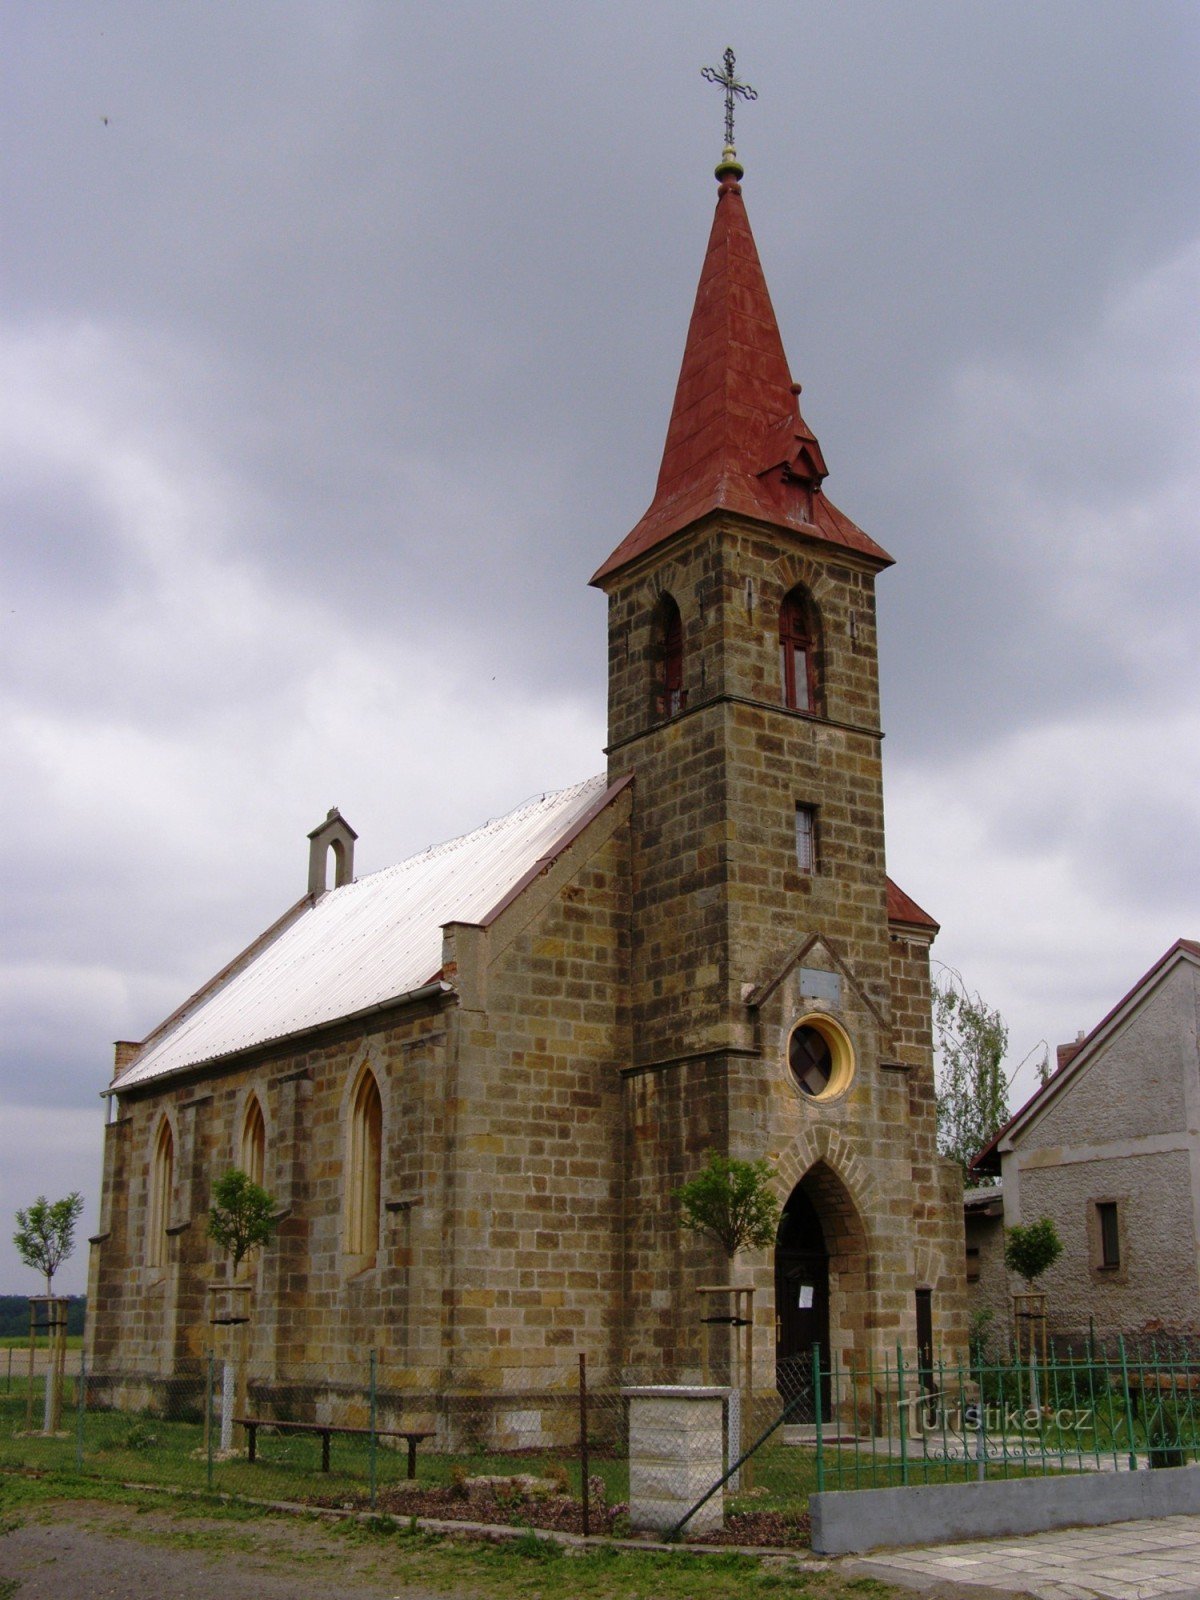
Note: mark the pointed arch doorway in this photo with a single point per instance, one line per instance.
(801, 1304)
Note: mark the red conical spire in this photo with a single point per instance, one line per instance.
(736, 439)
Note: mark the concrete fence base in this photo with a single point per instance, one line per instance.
(846, 1521)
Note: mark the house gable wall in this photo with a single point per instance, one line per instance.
(1133, 1085)
(1123, 1128)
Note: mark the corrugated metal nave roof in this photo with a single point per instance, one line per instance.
(366, 943)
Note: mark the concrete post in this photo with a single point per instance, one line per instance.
(676, 1454)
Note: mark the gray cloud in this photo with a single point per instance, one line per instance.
(337, 345)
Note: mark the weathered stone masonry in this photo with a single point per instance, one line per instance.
(629, 1000)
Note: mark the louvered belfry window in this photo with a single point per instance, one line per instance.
(670, 696)
(798, 652)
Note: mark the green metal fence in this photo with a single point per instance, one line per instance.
(1129, 1405)
(1094, 1410)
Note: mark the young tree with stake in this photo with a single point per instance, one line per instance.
(45, 1238)
(45, 1235)
(242, 1217)
(731, 1201)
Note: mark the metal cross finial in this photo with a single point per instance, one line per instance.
(731, 87)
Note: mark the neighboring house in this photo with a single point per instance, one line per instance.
(988, 1288)
(1109, 1149)
(474, 1080)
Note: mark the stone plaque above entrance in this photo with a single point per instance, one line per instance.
(817, 985)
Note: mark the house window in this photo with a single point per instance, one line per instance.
(252, 1157)
(670, 697)
(798, 645)
(162, 1181)
(806, 838)
(363, 1169)
(1109, 1234)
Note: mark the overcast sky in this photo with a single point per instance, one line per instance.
(337, 344)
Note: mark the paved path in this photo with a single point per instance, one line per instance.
(1127, 1561)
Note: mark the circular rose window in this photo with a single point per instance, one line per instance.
(821, 1057)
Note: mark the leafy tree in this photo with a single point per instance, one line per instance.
(242, 1215)
(732, 1201)
(1030, 1250)
(45, 1234)
(972, 1094)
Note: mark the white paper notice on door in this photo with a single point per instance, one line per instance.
(806, 1297)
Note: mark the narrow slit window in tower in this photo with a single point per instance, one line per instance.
(806, 839)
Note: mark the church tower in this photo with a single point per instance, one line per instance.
(779, 982)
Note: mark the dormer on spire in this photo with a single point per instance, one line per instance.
(737, 440)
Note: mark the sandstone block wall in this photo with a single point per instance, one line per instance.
(312, 1303)
(720, 907)
(717, 894)
(534, 1219)
(499, 1253)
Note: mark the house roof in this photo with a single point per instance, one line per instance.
(368, 944)
(988, 1159)
(736, 439)
(988, 1200)
(903, 908)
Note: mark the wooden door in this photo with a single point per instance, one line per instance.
(801, 1307)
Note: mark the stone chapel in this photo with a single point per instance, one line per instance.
(472, 1081)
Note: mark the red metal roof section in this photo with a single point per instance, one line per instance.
(902, 908)
(736, 439)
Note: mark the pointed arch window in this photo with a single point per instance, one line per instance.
(162, 1181)
(799, 652)
(670, 696)
(252, 1157)
(363, 1172)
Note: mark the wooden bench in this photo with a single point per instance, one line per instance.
(412, 1437)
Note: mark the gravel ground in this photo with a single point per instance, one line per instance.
(93, 1551)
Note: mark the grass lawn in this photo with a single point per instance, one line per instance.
(377, 1551)
(124, 1447)
(102, 1449)
(74, 1341)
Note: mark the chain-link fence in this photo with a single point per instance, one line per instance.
(554, 1457)
(557, 1457)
